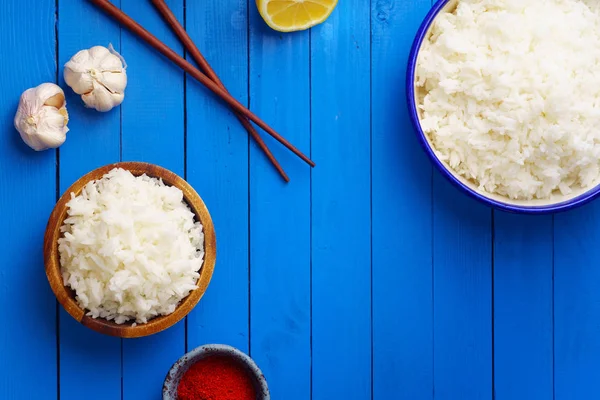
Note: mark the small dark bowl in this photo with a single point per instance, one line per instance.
(183, 364)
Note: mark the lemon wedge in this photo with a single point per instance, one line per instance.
(294, 15)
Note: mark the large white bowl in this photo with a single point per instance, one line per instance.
(554, 204)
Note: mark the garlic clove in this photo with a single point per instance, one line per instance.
(102, 99)
(50, 119)
(115, 82)
(76, 72)
(79, 62)
(80, 82)
(57, 101)
(105, 59)
(111, 63)
(42, 117)
(98, 69)
(98, 52)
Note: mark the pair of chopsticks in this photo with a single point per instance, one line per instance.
(209, 78)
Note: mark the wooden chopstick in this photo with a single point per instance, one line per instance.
(191, 47)
(165, 50)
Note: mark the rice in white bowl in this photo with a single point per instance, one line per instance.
(511, 94)
(131, 249)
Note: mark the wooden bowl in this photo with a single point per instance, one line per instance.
(66, 296)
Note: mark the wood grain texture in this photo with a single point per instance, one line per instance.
(217, 166)
(402, 224)
(523, 336)
(166, 51)
(67, 297)
(577, 304)
(94, 140)
(341, 204)
(436, 327)
(153, 131)
(27, 193)
(462, 290)
(194, 53)
(280, 213)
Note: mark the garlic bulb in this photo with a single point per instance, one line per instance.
(42, 117)
(98, 75)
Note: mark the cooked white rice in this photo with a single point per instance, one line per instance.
(131, 249)
(512, 94)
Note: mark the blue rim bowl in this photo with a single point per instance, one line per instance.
(555, 204)
(187, 360)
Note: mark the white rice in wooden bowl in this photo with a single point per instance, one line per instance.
(511, 94)
(131, 248)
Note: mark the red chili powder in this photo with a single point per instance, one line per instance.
(216, 378)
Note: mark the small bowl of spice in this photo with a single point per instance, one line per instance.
(215, 372)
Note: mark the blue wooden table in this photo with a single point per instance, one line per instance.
(368, 277)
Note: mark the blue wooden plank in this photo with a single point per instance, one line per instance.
(341, 204)
(577, 304)
(28, 180)
(402, 264)
(523, 349)
(280, 213)
(462, 279)
(152, 131)
(217, 166)
(86, 356)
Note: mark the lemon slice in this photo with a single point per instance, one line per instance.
(294, 15)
